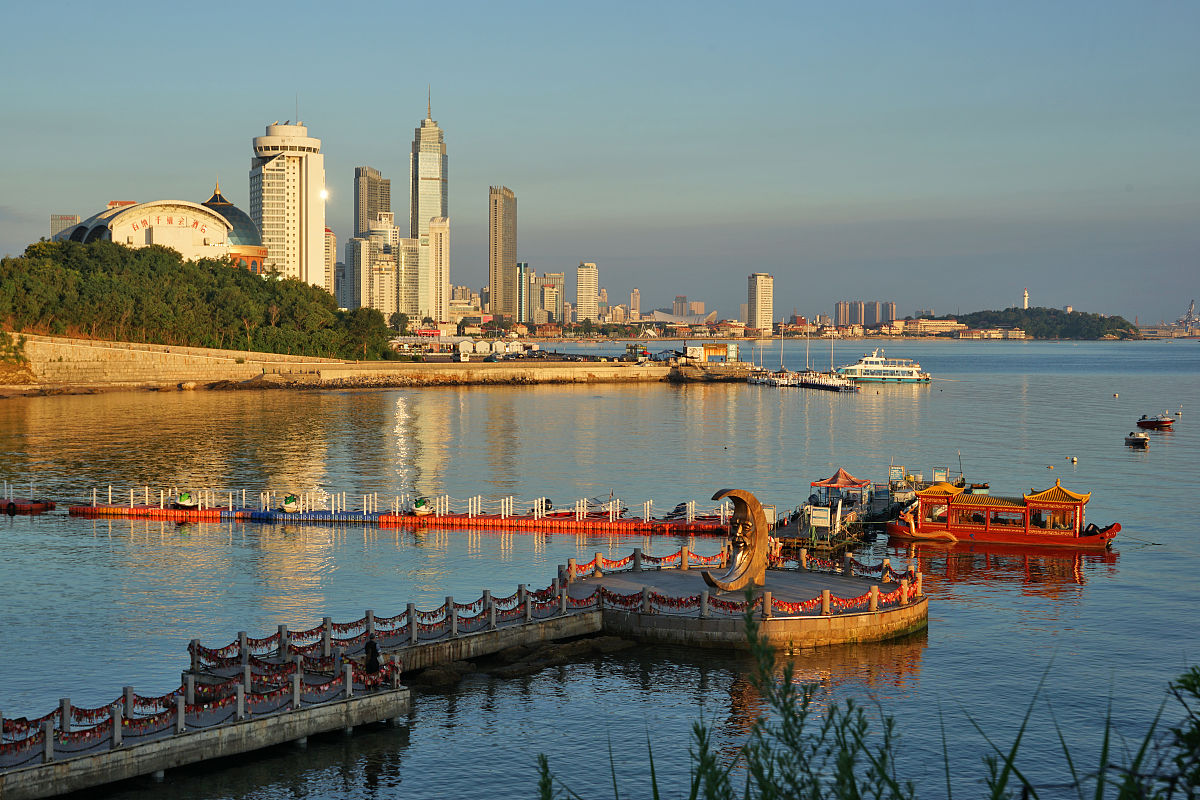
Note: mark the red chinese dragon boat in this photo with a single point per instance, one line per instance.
(944, 512)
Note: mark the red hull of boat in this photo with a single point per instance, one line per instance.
(1155, 424)
(1098, 541)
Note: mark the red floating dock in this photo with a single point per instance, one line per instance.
(20, 505)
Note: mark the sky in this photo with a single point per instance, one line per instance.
(941, 155)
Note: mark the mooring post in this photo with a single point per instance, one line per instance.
(767, 610)
(247, 679)
(637, 559)
(241, 702)
(685, 555)
(599, 573)
(562, 600)
(570, 570)
(646, 609)
(190, 690)
(326, 637)
(348, 677)
(920, 584)
(118, 719)
(704, 605)
(283, 642)
(489, 609)
(874, 599)
(825, 602)
(803, 558)
(412, 622)
(397, 668)
(243, 647)
(127, 706)
(297, 683)
(64, 715)
(904, 591)
(370, 616)
(848, 565)
(48, 739)
(180, 715)
(527, 602)
(451, 617)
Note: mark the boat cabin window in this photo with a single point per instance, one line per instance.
(1052, 519)
(936, 513)
(968, 516)
(1009, 518)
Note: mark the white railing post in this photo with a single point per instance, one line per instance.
(646, 511)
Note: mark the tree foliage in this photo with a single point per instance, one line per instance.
(105, 290)
(1052, 323)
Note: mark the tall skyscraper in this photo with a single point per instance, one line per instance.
(428, 171)
(372, 264)
(587, 291)
(428, 176)
(889, 311)
(680, 307)
(760, 301)
(287, 201)
(635, 304)
(548, 298)
(502, 250)
(372, 194)
(330, 260)
(60, 222)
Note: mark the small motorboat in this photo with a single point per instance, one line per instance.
(290, 504)
(186, 500)
(1139, 439)
(1162, 422)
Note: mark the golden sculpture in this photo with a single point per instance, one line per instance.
(748, 535)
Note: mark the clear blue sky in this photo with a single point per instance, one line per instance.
(939, 154)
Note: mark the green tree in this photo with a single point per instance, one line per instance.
(398, 322)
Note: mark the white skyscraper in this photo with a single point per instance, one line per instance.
(287, 202)
(429, 200)
(760, 302)
(587, 292)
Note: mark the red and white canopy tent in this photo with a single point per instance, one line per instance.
(841, 486)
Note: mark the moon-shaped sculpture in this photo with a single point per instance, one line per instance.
(748, 537)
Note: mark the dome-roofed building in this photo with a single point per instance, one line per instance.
(189, 228)
(245, 242)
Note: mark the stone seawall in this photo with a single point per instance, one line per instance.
(58, 362)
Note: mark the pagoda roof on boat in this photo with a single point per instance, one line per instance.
(1057, 494)
(968, 499)
(841, 480)
(941, 490)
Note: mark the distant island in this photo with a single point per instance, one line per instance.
(1051, 323)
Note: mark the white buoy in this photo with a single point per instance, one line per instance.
(1074, 460)
(1114, 394)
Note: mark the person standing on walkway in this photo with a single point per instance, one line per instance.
(372, 651)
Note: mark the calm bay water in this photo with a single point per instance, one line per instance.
(90, 606)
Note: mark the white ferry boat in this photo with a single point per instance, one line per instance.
(874, 368)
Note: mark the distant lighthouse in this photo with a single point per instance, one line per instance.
(1026, 305)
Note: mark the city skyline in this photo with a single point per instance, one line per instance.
(1005, 148)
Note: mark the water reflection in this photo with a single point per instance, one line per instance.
(1045, 571)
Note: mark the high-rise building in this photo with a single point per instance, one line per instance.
(341, 284)
(502, 250)
(856, 312)
(548, 297)
(372, 266)
(287, 201)
(60, 222)
(330, 260)
(428, 176)
(889, 311)
(680, 307)
(696, 307)
(522, 284)
(873, 313)
(841, 313)
(372, 194)
(587, 291)
(635, 304)
(436, 303)
(760, 301)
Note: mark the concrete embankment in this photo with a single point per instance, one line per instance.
(55, 363)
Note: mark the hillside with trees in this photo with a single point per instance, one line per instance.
(1052, 323)
(104, 290)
